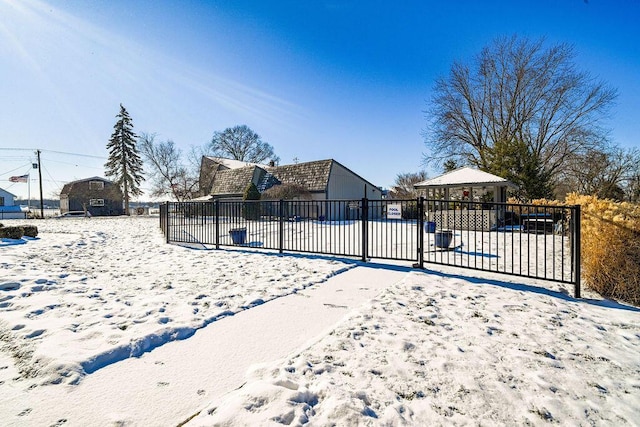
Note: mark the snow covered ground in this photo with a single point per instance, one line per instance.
(90, 292)
(440, 347)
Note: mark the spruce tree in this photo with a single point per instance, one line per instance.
(251, 207)
(124, 165)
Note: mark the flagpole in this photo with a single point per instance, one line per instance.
(29, 193)
(40, 176)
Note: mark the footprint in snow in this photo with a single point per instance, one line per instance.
(35, 334)
(25, 412)
(9, 286)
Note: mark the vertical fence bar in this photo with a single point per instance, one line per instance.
(576, 250)
(281, 226)
(421, 232)
(365, 225)
(167, 222)
(216, 223)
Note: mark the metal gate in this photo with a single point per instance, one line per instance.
(535, 241)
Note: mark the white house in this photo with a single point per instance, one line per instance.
(8, 208)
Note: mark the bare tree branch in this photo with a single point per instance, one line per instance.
(241, 143)
(168, 176)
(522, 92)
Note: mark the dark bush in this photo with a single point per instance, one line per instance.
(30, 231)
(11, 232)
(251, 207)
(410, 210)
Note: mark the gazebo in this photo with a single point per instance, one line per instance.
(466, 189)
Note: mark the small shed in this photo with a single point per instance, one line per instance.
(98, 196)
(480, 193)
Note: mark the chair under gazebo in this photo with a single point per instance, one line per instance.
(476, 192)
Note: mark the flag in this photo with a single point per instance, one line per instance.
(21, 178)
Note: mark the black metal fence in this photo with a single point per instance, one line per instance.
(533, 241)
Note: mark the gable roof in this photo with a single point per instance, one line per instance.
(8, 192)
(464, 177)
(314, 176)
(233, 181)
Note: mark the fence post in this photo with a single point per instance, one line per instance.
(420, 206)
(216, 218)
(576, 250)
(281, 226)
(167, 222)
(365, 228)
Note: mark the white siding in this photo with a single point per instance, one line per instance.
(8, 197)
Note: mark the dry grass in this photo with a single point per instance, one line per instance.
(610, 247)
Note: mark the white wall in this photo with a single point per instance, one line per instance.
(9, 199)
(346, 185)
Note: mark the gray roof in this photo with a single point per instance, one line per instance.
(69, 185)
(314, 176)
(233, 181)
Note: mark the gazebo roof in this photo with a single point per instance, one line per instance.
(465, 177)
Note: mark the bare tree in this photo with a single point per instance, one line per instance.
(403, 187)
(241, 143)
(608, 174)
(168, 174)
(517, 91)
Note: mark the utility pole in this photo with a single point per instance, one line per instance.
(40, 180)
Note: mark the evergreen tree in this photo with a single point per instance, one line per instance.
(512, 159)
(124, 165)
(450, 165)
(251, 207)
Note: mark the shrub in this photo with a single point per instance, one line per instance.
(286, 191)
(11, 232)
(410, 210)
(30, 231)
(610, 247)
(251, 209)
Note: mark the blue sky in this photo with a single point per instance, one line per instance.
(347, 80)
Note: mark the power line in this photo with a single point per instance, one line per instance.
(13, 170)
(55, 152)
(75, 164)
(74, 154)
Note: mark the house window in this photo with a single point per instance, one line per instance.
(1, 201)
(96, 202)
(96, 185)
